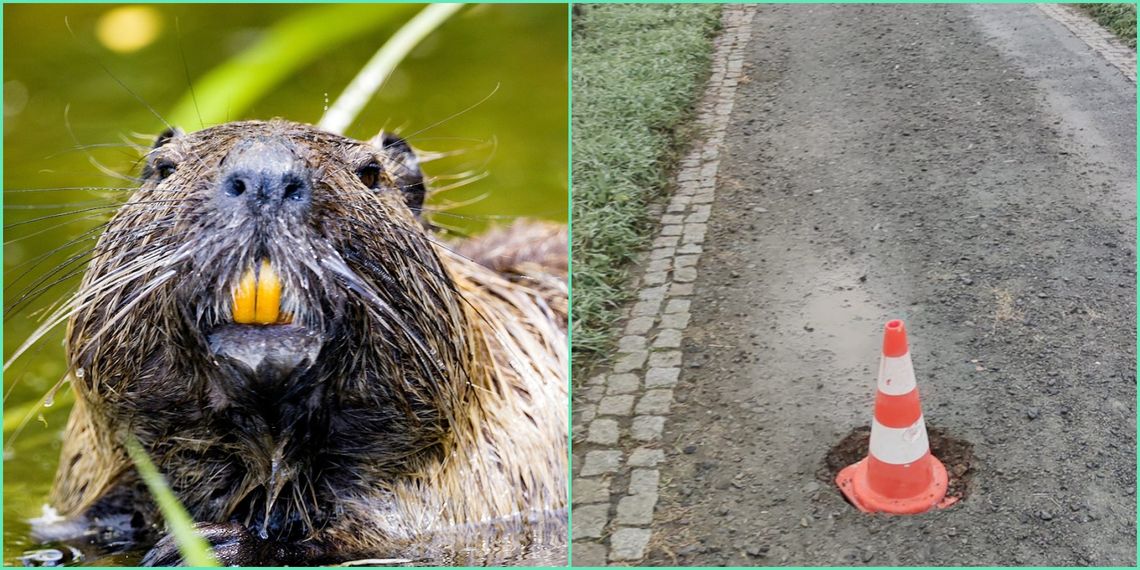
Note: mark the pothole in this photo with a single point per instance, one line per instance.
(956, 454)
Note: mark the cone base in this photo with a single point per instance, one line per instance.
(852, 481)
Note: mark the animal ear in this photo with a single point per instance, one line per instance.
(166, 136)
(404, 166)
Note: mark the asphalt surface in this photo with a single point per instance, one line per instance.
(972, 171)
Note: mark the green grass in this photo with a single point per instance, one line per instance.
(637, 73)
(195, 550)
(1118, 18)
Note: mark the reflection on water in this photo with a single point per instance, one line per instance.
(74, 132)
(538, 540)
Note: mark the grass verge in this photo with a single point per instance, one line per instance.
(638, 71)
(1120, 19)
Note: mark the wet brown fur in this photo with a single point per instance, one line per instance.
(441, 404)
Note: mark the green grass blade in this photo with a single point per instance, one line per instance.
(344, 111)
(228, 90)
(195, 550)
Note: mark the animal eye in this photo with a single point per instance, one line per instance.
(369, 175)
(163, 169)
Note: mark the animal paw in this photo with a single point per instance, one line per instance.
(232, 543)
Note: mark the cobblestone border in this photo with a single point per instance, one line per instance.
(1099, 39)
(622, 413)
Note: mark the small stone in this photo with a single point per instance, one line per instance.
(689, 449)
(758, 551)
(1045, 515)
(1032, 413)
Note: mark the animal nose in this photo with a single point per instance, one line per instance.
(265, 176)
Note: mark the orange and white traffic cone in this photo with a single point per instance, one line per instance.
(899, 475)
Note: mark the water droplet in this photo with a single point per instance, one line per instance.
(79, 373)
(264, 534)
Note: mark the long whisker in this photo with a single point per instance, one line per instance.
(454, 115)
(94, 209)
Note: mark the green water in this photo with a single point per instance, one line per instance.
(66, 119)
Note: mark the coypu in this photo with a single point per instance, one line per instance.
(316, 378)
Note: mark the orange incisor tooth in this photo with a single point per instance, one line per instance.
(245, 298)
(268, 306)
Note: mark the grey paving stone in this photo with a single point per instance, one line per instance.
(646, 457)
(647, 428)
(631, 343)
(664, 359)
(603, 431)
(655, 402)
(623, 384)
(628, 544)
(667, 338)
(665, 377)
(680, 289)
(586, 412)
(675, 320)
(685, 274)
(655, 278)
(636, 509)
(685, 260)
(590, 520)
(677, 306)
(615, 405)
(592, 393)
(643, 481)
(641, 325)
(590, 490)
(589, 554)
(646, 308)
(600, 461)
(630, 361)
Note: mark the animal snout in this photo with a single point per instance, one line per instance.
(265, 176)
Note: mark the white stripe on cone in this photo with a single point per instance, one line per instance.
(896, 375)
(899, 446)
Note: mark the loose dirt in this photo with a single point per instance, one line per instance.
(972, 171)
(955, 454)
